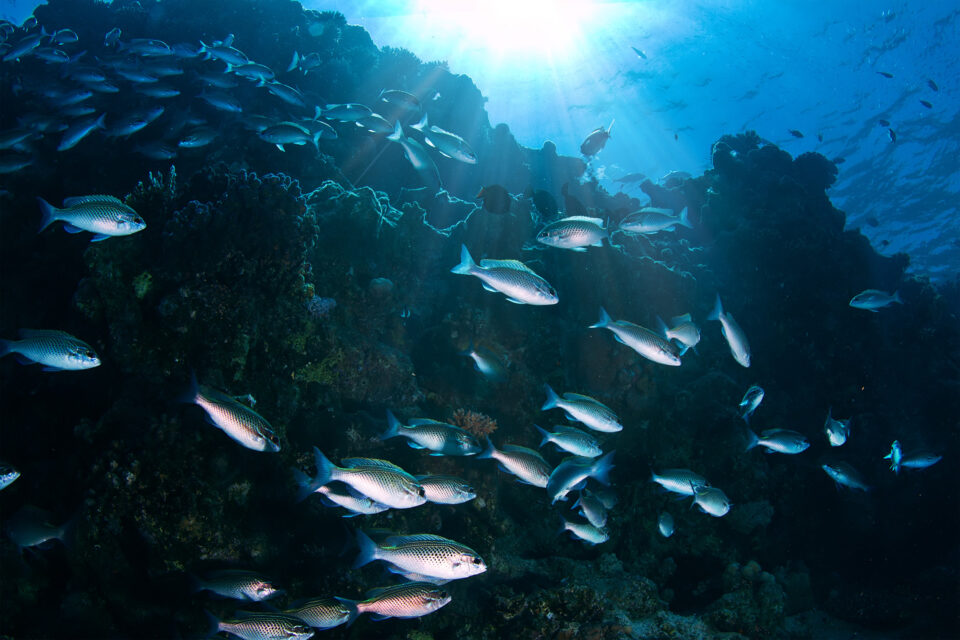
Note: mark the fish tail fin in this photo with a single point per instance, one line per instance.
(717, 310)
(469, 350)
(488, 452)
(101, 122)
(420, 126)
(752, 439)
(48, 213)
(352, 610)
(294, 62)
(543, 432)
(213, 624)
(368, 550)
(397, 134)
(393, 426)
(467, 265)
(685, 218)
(5, 347)
(316, 140)
(601, 469)
(204, 50)
(896, 297)
(189, 395)
(552, 398)
(611, 126)
(662, 328)
(604, 320)
(324, 468)
(305, 485)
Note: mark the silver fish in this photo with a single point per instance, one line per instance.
(23, 48)
(509, 277)
(779, 440)
(408, 600)
(112, 37)
(873, 299)
(55, 350)
(32, 526)
(592, 509)
(665, 524)
(375, 123)
(712, 500)
(574, 233)
(224, 53)
(845, 475)
(144, 47)
(349, 498)
(652, 220)
(265, 626)
(286, 93)
(197, 137)
(587, 532)
(244, 425)
(448, 144)
(486, 362)
(648, 344)
(259, 73)
(446, 489)
(684, 330)
(288, 133)
(416, 155)
(837, 430)
(751, 400)
(14, 163)
(10, 138)
(221, 101)
(439, 437)
(157, 151)
(8, 475)
(584, 409)
(65, 36)
(527, 465)
(80, 130)
(682, 481)
(423, 554)
(572, 440)
(380, 480)
(324, 613)
(402, 99)
(736, 338)
(104, 216)
(572, 473)
(920, 460)
(351, 112)
(237, 584)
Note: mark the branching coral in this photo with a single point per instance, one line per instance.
(479, 424)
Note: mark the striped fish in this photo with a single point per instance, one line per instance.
(241, 423)
(528, 465)
(424, 554)
(408, 600)
(55, 350)
(104, 216)
(509, 277)
(648, 344)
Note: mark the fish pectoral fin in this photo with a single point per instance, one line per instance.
(582, 249)
(69, 228)
(619, 339)
(22, 359)
(280, 146)
(436, 453)
(99, 237)
(50, 368)
(515, 301)
(376, 616)
(414, 445)
(488, 287)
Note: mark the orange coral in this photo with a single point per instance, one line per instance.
(478, 424)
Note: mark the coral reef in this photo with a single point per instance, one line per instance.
(478, 424)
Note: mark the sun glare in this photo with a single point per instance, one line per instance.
(549, 29)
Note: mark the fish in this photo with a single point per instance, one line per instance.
(224, 53)
(375, 123)
(928, 105)
(220, 81)
(350, 112)
(259, 73)
(32, 526)
(51, 55)
(237, 584)
(145, 47)
(736, 338)
(589, 411)
(104, 216)
(496, 199)
(712, 501)
(324, 613)
(402, 99)
(650, 345)
(795, 133)
(10, 138)
(80, 130)
(449, 144)
(408, 600)
(570, 475)
(892, 134)
(682, 481)
(446, 489)
(185, 50)
(197, 137)
(157, 151)
(632, 177)
(639, 53)
(586, 532)
(289, 133)
(486, 362)
(55, 350)
(874, 299)
(684, 330)
(883, 123)
(304, 63)
(845, 475)
(779, 440)
(885, 74)
(527, 465)
(837, 430)
(424, 554)
(933, 85)
(574, 233)
(751, 400)
(112, 37)
(349, 498)
(592, 509)
(8, 475)
(665, 524)
(244, 425)
(572, 440)
(895, 456)
(651, 220)
(222, 101)
(819, 137)
(439, 437)
(23, 47)
(509, 277)
(286, 93)
(380, 480)
(595, 141)
(920, 460)
(263, 626)
(418, 157)
(130, 124)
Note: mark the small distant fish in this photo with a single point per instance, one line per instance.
(55, 350)
(324, 613)
(407, 600)
(845, 475)
(596, 141)
(222, 101)
(427, 555)
(404, 100)
(873, 299)
(682, 481)
(674, 179)
(572, 440)
(736, 338)
(586, 532)
(439, 437)
(892, 134)
(224, 53)
(527, 465)
(712, 501)
(819, 137)
(259, 73)
(104, 216)
(375, 123)
(639, 53)
(933, 85)
(837, 430)
(237, 584)
(51, 55)
(185, 50)
(32, 527)
(448, 144)
(350, 112)
(592, 509)
(509, 277)
(650, 345)
(872, 221)
(112, 37)
(23, 48)
(264, 626)
(632, 177)
(8, 475)
(197, 137)
(418, 157)
(895, 456)
(14, 163)
(684, 330)
(883, 123)
(80, 130)
(65, 36)
(486, 362)
(574, 233)
(495, 198)
(572, 472)
(244, 425)
(926, 104)
(288, 133)
(286, 93)
(652, 220)
(779, 440)
(751, 400)
(665, 524)
(583, 409)
(145, 47)
(920, 460)
(157, 151)
(795, 133)
(378, 479)
(885, 74)
(839, 160)
(338, 496)
(446, 489)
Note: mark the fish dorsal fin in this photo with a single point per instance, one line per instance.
(394, 541)
(678, 320)
(505, 264)
(515, 448)
(583, 398)
(44, 333)
(70, 202)
(422, 421)
(596, 221)
(565, 428)
(360, 463)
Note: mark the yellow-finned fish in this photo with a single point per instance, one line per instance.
(104, 216)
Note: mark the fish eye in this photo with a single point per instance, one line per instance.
(477, 560)
(421, 492)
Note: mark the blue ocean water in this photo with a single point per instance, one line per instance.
(586, 320)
